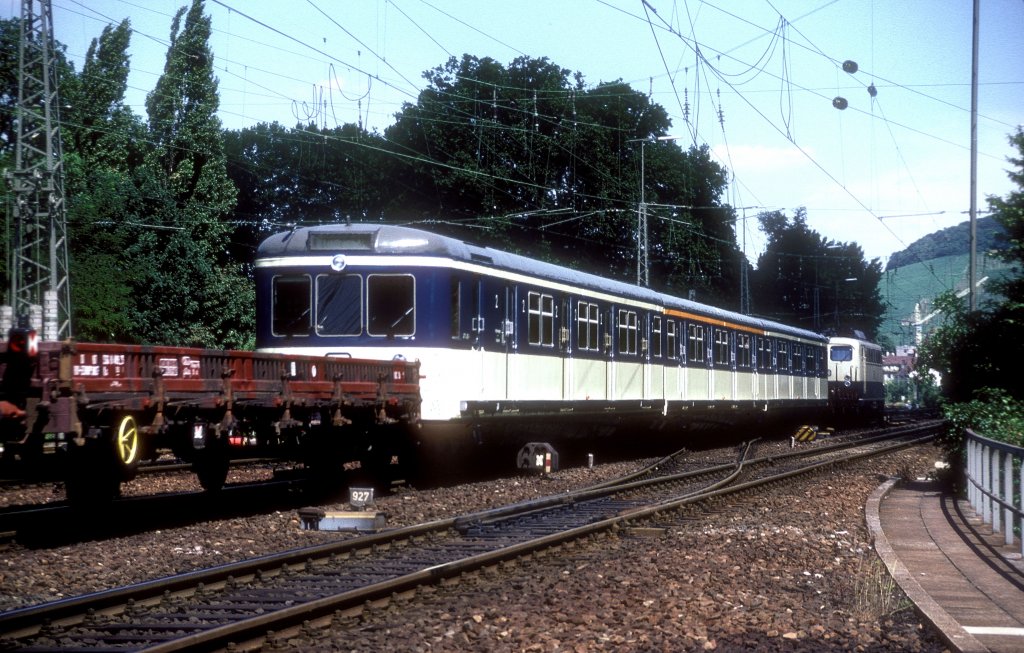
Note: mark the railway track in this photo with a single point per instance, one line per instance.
(60, 523)
(243, 601)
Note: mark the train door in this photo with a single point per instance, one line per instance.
(609, 354)
(496, 330)
(698, 362)
(566, 325)
(655, 359)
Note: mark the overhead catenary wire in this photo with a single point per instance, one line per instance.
(701, 93)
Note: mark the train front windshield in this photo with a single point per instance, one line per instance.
(334, 305)
(840, 353)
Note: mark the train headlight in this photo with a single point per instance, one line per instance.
(338, 262)
(846, 380)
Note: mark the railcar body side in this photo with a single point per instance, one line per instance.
(511, 347)
(109, 406)
(856, 389)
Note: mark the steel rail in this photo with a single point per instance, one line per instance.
(324, 607)
(25, 622)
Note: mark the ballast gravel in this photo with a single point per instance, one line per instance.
(790, 570)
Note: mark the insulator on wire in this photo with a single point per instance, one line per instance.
(850, 66)
(840, 102)
(872, 91)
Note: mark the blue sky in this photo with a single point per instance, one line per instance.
(882, 172)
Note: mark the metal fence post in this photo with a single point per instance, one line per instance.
(1008, 519)
(997, 491)
(994, 491)
(986, 502)
(973, 470)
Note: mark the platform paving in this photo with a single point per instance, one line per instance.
(960, 575)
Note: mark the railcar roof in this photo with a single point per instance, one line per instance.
(406, 241)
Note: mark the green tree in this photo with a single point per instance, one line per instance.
(10, 34)
(974, 350)
(104, 146)
(807, 280)
(1009, 212)
(197, 294)
(305, 174)
(552, 168)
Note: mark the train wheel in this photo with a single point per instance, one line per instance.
(127, 448)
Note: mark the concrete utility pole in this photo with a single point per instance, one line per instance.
(39, 294)
(973, 301)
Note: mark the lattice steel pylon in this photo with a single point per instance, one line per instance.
(40, 294)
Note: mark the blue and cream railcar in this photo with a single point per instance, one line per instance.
(855, 386)
(516, 349)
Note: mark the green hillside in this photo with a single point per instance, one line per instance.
(950, 242)
(920, 283)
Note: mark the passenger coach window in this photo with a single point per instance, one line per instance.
(542, 319)
(587, 322)
(656, 336)
(339, 304)
(782, 357)
(695, 343)
(627, 332)
(743, 357)
(670, 338)
(390, 305)
(721, 350)
(797, 360)
(764, 354)
(456, 293)
(292, 314)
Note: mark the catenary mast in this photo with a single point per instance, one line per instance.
(39, 294)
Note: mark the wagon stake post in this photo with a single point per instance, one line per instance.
(65, 375)
(338, 400)
(382, 401)
(228, 392)
(159, 398)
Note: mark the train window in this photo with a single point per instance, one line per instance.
(764, 354)
(810, 366)
(695, 343)
(456, 308)
(840, 353)
(670, 338)
(721, 348)
(743, 357)
(292, 306)
(797, 361)
(542, 319)
(339, 301)
(627, 332)
(656, 336)
(782, 356)
(587, 322)
(390, 305)
(334, 241)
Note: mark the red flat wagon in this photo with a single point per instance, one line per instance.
(107, 407)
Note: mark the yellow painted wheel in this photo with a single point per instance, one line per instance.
(127, 443)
